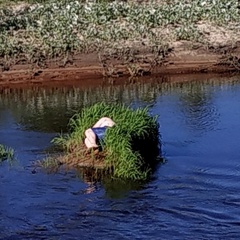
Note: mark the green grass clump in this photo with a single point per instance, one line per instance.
(6, 153)
(131, 147)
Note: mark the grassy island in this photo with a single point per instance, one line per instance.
(131, 148)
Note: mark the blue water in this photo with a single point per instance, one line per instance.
(194, 194)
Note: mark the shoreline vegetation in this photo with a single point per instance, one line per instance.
(131, 148)
(55, 40)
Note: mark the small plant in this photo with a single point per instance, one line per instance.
(6, 153)
(130, 148)
(231, 60)
(49, 164)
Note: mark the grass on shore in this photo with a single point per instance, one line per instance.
(36, 31)
(131, 148)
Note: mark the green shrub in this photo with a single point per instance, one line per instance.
(131, 147)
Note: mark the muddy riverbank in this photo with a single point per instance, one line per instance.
(58, 41)
(85, 67)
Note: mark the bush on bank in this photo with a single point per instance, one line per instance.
(131, 147)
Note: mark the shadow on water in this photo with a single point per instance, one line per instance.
(94, 178)
(176, 201)
(114, 188)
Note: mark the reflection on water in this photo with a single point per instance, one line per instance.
(114, 188)
(194, 195)
(49, 109)
(198, 107)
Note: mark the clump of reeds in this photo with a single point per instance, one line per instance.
(130, 148)
(6, 153)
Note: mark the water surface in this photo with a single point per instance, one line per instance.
(195, 194)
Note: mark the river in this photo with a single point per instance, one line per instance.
(193, 194)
